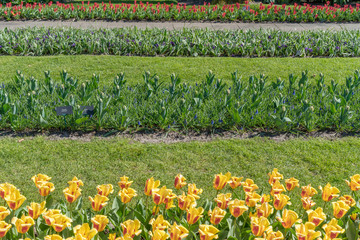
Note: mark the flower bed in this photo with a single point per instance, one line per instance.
(237, 212)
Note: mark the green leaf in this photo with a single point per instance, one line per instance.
(351, 232)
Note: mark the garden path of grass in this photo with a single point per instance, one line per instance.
(190, 70)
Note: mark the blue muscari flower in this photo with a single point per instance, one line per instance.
(168, 126)
(256, 112)
(252, 117)
(212, 122)
(294, 92)
(220, 120)
(275, 111)
(195, 116)
(139, 123)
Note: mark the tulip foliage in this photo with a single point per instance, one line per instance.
(240, 210)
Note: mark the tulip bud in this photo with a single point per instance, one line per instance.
(312, 108)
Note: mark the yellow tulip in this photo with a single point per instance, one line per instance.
(131, 228)
(59, 222)
(159, 223)
(23, 224)
(316, 216)
(100, 222)
(155, 210)
(127, 194)
(6, 189)
(348, 200)
(291, 183)
(185, 201)
(329, 192)
(4, 212)
(251, 198)
(105, 189)
(4, 228)
(84, 231)
(280, 201)
(194, 214)
(259, 225)
(98, 202)
(194, 191)
(112, 236)
(221, 180)
(178, 232)
(263, 210)
(308, 191)
(354, 183)
(235, 182)
(277, 188)
(179, 181)
(332, 229)
(249, 185)
(208, 232)
(288, 218)
(307, 203)
(72, 192)
(222, 200)
(150, 185)
(36, 209)
(306, 231)
(159, 195)
(40, 178)
(159, 235)
(124, 182)
(274, 176)
(45, 188)
(169, 200)
(15, 199)
(265, 198)
(353, 216)
(237, 207)
(216, 215)
(78, 182)
(48, 215)
(271, 235)
(340, 209)
(57, 237)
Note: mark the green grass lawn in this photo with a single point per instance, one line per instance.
(191, 70)
(100, 161)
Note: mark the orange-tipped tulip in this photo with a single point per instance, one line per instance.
(348, 200)
(72, 192)
(159, 195)
(194, 214)
(216, 215)
(208, 232)
(23, 224)
(6, 189)
(332, 229)
(78, 182)
(127, 194)
(4, 228)
(329, 192)
(194, 191)
(340, 208)
(178, 232)
(222, 200)
(263, 210)
(252, 198)
(40, 178)
(105, 189)
(249, 185)
(131, 228)
(84, 232)
(59, 222)
(274, 176)
(159, 223)
(259, 225)
(4, 212)
(306, 231)
(15, 199)
(237, 207)
(277, 188)
(316, 216)
(280, 201)
(98, 202)
(36, 209)
(124, 182)
(45, 188)
(307, 203)
(48, 216)
(289, 218)
(354, 182)
(291, 184)
(308, 191)
(159, 235)
(150, 185)
(235, 182)
(179, 181)
(221, 180)
(100, 222)
(186, 201)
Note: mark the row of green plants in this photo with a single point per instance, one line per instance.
(207, 12)
(299, 103)
(186, 42)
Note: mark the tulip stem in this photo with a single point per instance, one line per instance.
(124, 213)
(34, 230)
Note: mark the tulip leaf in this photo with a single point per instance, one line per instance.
(49, 201)
(351, 232)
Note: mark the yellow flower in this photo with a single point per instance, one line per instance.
(159, 223)
(40, 178)
(237, 207)
(288, 218)
(36, 209)
(348, 200)
(159, 235)
(124, 182)
(316, 216)
(159, 195)
(178, 232)
(56, 237)
(84, 231)
(271, 235)
(98, 202)
(307, 203)
(222, 200)
(263, 210)
(127, 194)
(340, 209)
(221, 180)
(45, 188)
(131, 228)
(235, 182)
(280, 201)
(112, 236)
(15, 199)
(277, 188)
(6, 189)
(72, 192)
(216, 215)
(4, 212)
(150, 185)
(249, 185)
(194, 214)
(78, 182)
(4, 228)
(329, 192)
(259, 225)
(23, 224)
(100, 222)
(192, 190)
(179, 181)
(332, 229)
(105, 189)
(169, 200)
(208, 232)
(59, 222)
(265, 198)
(252, 198)
(48, 216)
(308, 191)
(291, 183)
(306, 231)
(353, 216)
(185, 201)
(274, 176)
(354, 183)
